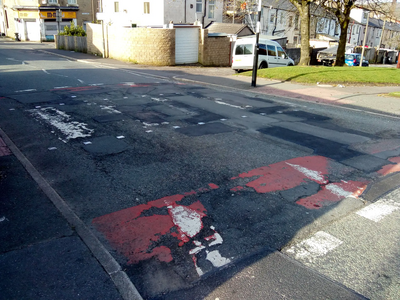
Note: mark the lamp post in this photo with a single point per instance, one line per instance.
(255, 59)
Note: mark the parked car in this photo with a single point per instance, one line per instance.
(270, 55)
(327, 57)
(353, 60)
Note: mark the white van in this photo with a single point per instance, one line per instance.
(270, 54)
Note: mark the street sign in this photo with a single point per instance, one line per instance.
(58, 16)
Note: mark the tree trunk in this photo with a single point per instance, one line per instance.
(304, 11)
(344, 21)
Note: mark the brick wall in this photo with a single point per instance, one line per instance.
(214, 51)
(151, 46)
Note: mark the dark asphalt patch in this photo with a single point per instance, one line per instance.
(332, 126)
(320, 146)
(306, 115)
(300, 191)
(204, 116)
(211, 128)
(366, 163)
(149, 116)
(36, 97)
(268, 110)
(109, 118)
(106, 145)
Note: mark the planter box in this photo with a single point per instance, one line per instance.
(74, 43)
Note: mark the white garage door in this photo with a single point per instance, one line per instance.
(32, 31)
(186, 45)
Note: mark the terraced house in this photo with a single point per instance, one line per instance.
(35, 20)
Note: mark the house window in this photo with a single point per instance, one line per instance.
(281, 18)
(53, 1)
(211, 9)
(199, 6)
(116, 6)
(365, 16)
(290, 21)
(72, 1)
(296, 22)
(272, 18)
(146, 7)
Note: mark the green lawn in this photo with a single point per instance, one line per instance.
(332, 75)
(394, 94)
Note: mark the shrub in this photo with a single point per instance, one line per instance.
(73, 30)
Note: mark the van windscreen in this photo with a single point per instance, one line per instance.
(244, 49)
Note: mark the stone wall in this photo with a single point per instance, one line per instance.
(214, 51)
(151, 46)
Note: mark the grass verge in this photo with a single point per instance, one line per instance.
(394, 94)
(332, 75)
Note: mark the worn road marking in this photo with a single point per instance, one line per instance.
(378, 210)
(312, 248)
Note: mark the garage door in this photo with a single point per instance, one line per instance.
(186, 45)
(32, 31)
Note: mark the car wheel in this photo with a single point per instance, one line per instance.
(290, 65)
(263, 65)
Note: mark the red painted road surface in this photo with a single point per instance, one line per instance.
(138, 236)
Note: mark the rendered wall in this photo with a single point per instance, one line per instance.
(214, 51)
(151, 46)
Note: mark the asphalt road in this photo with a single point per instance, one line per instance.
(187, 186)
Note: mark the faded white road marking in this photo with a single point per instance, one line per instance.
(227, 104)
(110, 109)
(2, 219)
(315, 175)
(28, 90)
(317, 245)
(198, 248)
(186, 219)
(216, 259)
(378, 210)
(45, 71)
(337, 190)
(61, 87)
(62, 121)
(80, 80)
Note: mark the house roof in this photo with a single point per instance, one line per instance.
(227, 28)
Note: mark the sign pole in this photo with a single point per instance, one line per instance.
(255, 59)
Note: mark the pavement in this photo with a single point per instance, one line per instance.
(50, 258)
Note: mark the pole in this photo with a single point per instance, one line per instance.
(255, 59)
(365, 37)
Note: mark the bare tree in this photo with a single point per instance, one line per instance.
(303, 6)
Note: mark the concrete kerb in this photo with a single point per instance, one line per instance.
(122, 282)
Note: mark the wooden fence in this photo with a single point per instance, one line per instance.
(74, 43)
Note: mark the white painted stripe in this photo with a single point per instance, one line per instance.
(337, 190)
(216, 259)
(315, 175)
(45, 71)
(317, 245)
(80, 80)
(110, 109)
(186, 219)
(61, 87)
(28, 90)
(2, 219)
(227, 104)
(378, 210)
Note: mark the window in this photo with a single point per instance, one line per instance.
(281, 52)
(290, 21)
(262, 49)
(199, 6)
(211, 9)
(116, 6)
(53, 1)
(244, 49)
(72, 1)
(271, 50)
(98, 5)
(296, 22)
(281, 18)
(146, 8)
(272, 18)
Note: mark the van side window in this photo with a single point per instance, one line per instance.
(281, 53)
(271, 50)
(262, 49)
(244, 49)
